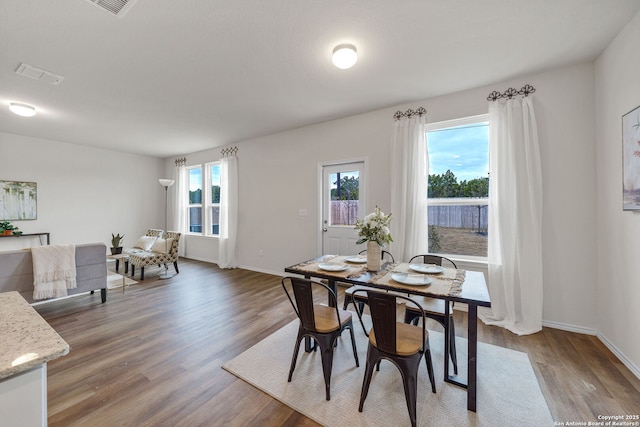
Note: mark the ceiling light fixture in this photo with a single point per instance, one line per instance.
(344, 56)
(23, 110)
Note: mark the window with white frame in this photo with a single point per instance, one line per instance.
(458, 186)
(213, 198)
(204, 206)
(194, 207)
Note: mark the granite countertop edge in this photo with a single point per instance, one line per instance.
(25, 335)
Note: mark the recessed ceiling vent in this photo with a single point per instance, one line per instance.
(115, 7)
(27, 70)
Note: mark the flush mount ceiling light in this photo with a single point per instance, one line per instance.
(344, 56)
(23, 110)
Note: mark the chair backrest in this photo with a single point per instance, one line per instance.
(154, 232)
(383, 308)
(433, 259)
(383, 254)
(303, 299)
(173, 252)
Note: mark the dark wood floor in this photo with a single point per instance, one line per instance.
(153, 356)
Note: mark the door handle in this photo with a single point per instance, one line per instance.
(324, 229)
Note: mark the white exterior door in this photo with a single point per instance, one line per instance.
(342, 203)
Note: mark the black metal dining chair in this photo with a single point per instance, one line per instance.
(434, 308)
(360, 300)
(318, 321)
(400, 343)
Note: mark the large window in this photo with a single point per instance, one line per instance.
(458, 190)
(213, 201)
(195, 199)
(204, 206)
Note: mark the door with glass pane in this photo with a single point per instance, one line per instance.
(342, 204)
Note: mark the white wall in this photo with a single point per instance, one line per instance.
(278, 176)
(618, 293)
(84, 193)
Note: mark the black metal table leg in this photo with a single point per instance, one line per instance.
(472, 358)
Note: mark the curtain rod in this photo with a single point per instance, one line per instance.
(511, 93)
(409, 113)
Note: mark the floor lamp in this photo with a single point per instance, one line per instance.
(166, 183)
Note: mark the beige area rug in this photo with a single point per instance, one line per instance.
(508, 392)
(114, 280)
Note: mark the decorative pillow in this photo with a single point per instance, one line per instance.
(162, 246)
(145, 242)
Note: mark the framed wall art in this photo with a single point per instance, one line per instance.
(18, 200)
(631, 160)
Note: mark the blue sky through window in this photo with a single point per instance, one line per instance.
(464, 150)
(215, 175)
(195, 179)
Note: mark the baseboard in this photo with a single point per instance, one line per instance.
(582, 330)
(628, 363)
(261, 270)
(569, 328)
(210, 261)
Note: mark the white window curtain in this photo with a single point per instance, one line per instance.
(179, 217)
(227, 257)
(515, 218)
(409, 172)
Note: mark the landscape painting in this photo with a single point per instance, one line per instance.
(631, 159)
(18, 200)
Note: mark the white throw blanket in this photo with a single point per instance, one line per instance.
(54, 270)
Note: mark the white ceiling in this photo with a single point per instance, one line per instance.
(173, 77)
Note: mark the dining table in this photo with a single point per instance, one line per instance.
(449, 284)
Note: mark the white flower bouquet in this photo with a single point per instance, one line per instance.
(374, 228)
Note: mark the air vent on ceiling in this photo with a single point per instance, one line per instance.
(115, 7)
(27, 70)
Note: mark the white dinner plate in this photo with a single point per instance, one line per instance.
(332, 266)
(356, 259)
(426, 268)
(411, 279)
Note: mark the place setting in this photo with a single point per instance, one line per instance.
(338, 265)
(418, 274)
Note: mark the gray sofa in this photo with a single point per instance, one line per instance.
(16, 271)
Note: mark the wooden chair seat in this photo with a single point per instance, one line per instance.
(408, 339)
(326, 320)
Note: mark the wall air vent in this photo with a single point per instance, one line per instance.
(115, 7)
(27, 70)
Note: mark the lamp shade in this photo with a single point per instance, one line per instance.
(344, 56)
(166, 182)
(23, 110)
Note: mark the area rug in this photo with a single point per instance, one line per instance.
(114, 280)
(508, 392)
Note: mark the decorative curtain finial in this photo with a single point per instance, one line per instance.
(229, 151)
(511, 93)
(420, 111)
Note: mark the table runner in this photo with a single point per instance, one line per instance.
(313, 267)
(449, 282)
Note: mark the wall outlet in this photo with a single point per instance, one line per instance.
(260, 252)
(302, 212)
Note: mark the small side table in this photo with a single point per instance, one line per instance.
(118, 258)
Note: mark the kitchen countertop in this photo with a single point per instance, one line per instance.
(27, 340)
